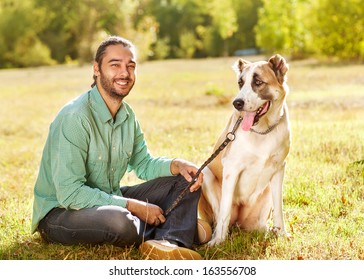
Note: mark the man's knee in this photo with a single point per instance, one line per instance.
(123, 227)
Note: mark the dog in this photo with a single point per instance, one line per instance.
(243, 185)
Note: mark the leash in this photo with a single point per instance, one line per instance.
(229, 137)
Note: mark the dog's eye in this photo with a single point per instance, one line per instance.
(240, 83)
(258, 82)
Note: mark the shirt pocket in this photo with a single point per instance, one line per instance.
(96, 171)
(122, 163)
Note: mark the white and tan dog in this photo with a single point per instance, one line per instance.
(244, 183)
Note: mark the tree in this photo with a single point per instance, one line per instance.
(339, 31)
(303, 27)
(193, 28)
(76, 27)
(178, 23)
(247, 18)
(282, 27)
(224, 20)
(20, 45)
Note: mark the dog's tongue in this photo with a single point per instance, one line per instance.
(248, 120)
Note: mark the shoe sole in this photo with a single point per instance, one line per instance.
(155, 251)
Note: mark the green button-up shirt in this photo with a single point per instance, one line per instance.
(86, 154)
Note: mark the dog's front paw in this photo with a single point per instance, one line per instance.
(214, 241)
(279, 232)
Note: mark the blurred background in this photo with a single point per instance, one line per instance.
(43, 32)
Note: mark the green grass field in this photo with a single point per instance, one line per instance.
(182, 106)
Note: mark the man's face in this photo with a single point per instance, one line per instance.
(117, 72)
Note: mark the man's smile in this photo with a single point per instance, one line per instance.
(122, 82)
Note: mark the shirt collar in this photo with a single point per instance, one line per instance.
(99, 105)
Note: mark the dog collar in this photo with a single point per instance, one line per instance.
(270, 128)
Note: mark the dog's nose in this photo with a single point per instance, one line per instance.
(238, 104)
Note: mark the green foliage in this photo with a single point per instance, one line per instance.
(20, 45)
(160, 49)
(145, 36)
(179, 24)
(247, 18)
(339, 30)
(42, 32)
(77, 27)
(224, 19)
(323, 27)
(187, 45)
(282, 27)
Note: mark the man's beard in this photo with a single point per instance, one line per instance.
(109, 88)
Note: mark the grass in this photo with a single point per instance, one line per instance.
(182, 106)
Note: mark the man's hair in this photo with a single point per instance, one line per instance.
(111, 40)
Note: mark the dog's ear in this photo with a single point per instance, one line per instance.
(239, 65)
(279, 66)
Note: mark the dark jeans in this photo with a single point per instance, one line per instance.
(116, 225)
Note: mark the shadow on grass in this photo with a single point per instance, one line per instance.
(36, 249)
(239, 246)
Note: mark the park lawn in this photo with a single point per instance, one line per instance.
(183, 105)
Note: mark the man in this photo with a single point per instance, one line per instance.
(91, 143)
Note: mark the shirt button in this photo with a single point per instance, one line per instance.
(100, 157)
(114, 148)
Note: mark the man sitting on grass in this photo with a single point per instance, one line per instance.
(92, 142)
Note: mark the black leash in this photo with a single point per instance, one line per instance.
(229, 137)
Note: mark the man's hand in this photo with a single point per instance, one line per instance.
(147, 212)
(187, 170)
